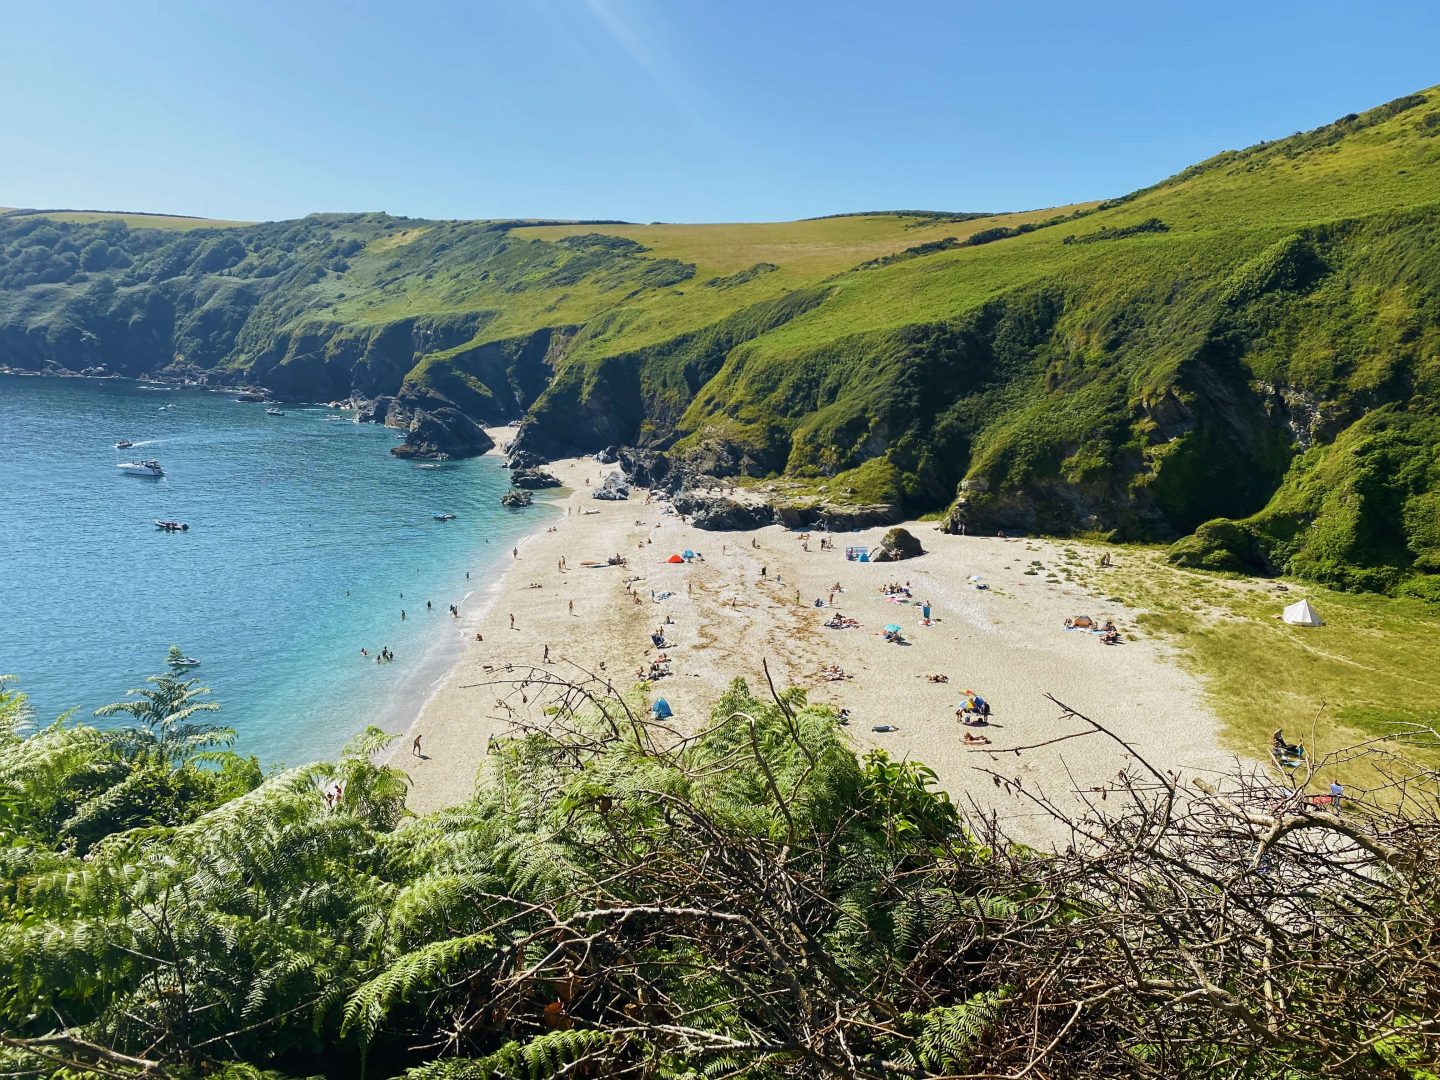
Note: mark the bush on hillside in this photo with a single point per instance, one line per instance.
(1221, 545)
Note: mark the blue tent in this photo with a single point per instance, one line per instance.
(661, 709)
(687, 553)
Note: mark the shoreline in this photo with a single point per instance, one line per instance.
(754, 596)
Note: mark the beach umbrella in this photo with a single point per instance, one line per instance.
(891, 628)
(688, 553)
(675, 559)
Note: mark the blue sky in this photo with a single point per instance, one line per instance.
(674, 110)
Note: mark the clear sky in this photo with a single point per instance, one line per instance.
(674, 110)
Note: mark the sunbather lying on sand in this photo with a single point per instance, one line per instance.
(937, 678)
(972, 739)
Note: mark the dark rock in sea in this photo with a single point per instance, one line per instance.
(516, 497)
(533, 478)
(375, 411)
(613, 489)
(720, 514)
(895, 545)
(441, 435)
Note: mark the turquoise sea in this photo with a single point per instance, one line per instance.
(306, 540)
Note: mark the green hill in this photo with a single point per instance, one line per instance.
(1244, 357)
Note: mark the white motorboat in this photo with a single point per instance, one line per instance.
(443, 517)
(148, 467)
(124, 444)
(274, 412)
(184, 661)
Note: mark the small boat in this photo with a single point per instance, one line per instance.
(443, 517)
(148, 467)
(184, 661)
(274, 412)
(250, 397)
(166, 408)
(124, 444)
(172, 526)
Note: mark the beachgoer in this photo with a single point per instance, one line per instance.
(364, 652)
(402, 614)
(415, 747)
(479, 636)
(764, 570)
(547, 655)
(467, 575)
(515, 551)
(572, 606)
(512, 622)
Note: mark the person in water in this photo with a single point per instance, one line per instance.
(402, 614)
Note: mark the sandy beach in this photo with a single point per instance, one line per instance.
(752, 597)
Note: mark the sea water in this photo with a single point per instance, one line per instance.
(307, 539)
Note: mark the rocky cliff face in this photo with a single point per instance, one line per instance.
(443, 434)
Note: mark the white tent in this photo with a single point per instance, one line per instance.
(1302, 614)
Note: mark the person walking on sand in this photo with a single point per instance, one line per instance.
(415, 747)
(572, 607)
(515, 551)
(547, 655)
(512, 622)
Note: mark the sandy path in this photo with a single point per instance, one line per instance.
(1006, 642)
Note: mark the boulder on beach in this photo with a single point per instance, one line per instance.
(895, 545)
(614, 488)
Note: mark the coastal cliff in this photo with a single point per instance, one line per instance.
(1241, 358)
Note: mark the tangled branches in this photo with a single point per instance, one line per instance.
(622, 898)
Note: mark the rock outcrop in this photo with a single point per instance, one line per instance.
(533, 479)
(441, 435)
(516, 497)
(721, 514)
(648, 468)
(897, 544)
(376, 410)
(613, 489)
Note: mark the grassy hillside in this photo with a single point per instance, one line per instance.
(1250, 348)
(130, 220)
